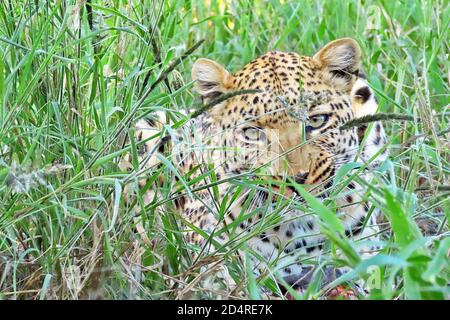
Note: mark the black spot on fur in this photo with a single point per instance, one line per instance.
(287, 250)
(361, 131)
(301, 178)
(151, 122)
(312, 248)
(363, 93)
(377, 140)
(300, 244)
(263, 237)
(357, 228)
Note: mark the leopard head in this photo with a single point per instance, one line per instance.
(266, 129)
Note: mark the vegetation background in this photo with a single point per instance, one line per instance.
(74, 76)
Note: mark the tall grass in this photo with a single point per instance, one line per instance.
(75, 75)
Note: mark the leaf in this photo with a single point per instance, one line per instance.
(172, 168)
(117, 196)
(329, 217)
(2, 82)
(45, 286)
(330, 225)
(252, 286)
(343, 170)
(438, 262)
(405, 231)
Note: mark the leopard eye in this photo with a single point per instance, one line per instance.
(317, 121)
(253, 133)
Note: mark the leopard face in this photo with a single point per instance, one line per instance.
(262, 127)
(290, 125)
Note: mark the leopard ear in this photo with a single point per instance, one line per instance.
(339, 60)
(211, 78)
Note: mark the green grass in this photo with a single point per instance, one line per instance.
(74, 77)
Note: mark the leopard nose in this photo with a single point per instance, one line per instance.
(301, 177)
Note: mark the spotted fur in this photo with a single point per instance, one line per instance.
(259, 136)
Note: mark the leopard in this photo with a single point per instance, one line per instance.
(247, 154)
